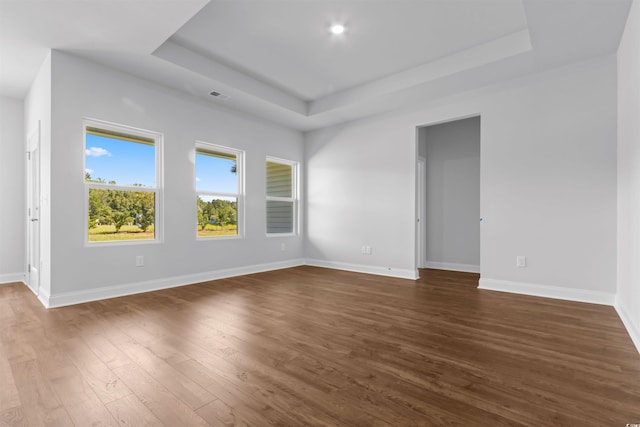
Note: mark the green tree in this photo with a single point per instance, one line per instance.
(119, 219)
(99, 210)
(121, 204)
(144, 209)
(223, 212)
(120, 207)
(204, 213)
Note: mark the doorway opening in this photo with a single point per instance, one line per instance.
(448, 195)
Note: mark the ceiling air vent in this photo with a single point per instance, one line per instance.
(219, 95)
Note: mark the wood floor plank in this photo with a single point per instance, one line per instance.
(218, 413)
(161, 402)
(81, 402)
(40, 403)
(129, 411)
(154, 342)
(109, 354)
(232, 384)
(244, 406)
(103, 381)
(184, 388)
(9, 397)
(312, 346)
(13, 417)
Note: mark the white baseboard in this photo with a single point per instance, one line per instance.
(632, 329)
(580, 295)
(70, 298)
(368, 269)
(467, 268)
(44, 297)
(12, 278)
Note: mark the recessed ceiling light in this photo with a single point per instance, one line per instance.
(337, 29)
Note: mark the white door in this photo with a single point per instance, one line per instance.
(421, 230)
(33, 209)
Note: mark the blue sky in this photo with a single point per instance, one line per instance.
(124, 162)
(129, 163)
(214, 174)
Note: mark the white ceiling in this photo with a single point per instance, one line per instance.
(287, 43)
(28, 28)
(276, 58)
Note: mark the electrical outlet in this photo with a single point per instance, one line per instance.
(139, 261)
(365, 250)
(521, 261)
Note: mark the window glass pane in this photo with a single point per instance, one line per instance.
(217, 216)
(279, 217)
(279, 180)
(117, 160)
(121, 215)
(216, 172)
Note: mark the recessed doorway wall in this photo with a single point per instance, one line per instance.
(450, 230)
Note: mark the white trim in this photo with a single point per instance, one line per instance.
(34, 202)
(632, 329)
(421, 206)
(273, 159)
(70, 298)
(294, 199)
(12, 278)
(44, 297)
(467, 268)
(368, 269)
(157, 189)
(239, 195)
(580, 295)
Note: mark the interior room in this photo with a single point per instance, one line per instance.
(282, 212)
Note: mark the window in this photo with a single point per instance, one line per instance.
(122, 183)
(218, 190)
(281, 196)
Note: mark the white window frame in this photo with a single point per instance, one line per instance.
(158, 226)
(295, 196)
(239, 195)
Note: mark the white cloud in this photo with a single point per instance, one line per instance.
(87, 170)
(197, 179)
(97, 152)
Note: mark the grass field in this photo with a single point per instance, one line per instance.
(215, 230)
(107, 233)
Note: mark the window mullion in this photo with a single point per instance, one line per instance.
(214, 194)
(280, 199)
(102, 186)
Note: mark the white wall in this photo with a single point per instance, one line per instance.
(360, 192)
(452, 152)
(83, 89)
(628, 297)
(12, 190)
(548, 184)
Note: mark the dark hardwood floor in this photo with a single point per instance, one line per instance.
(311, 346)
